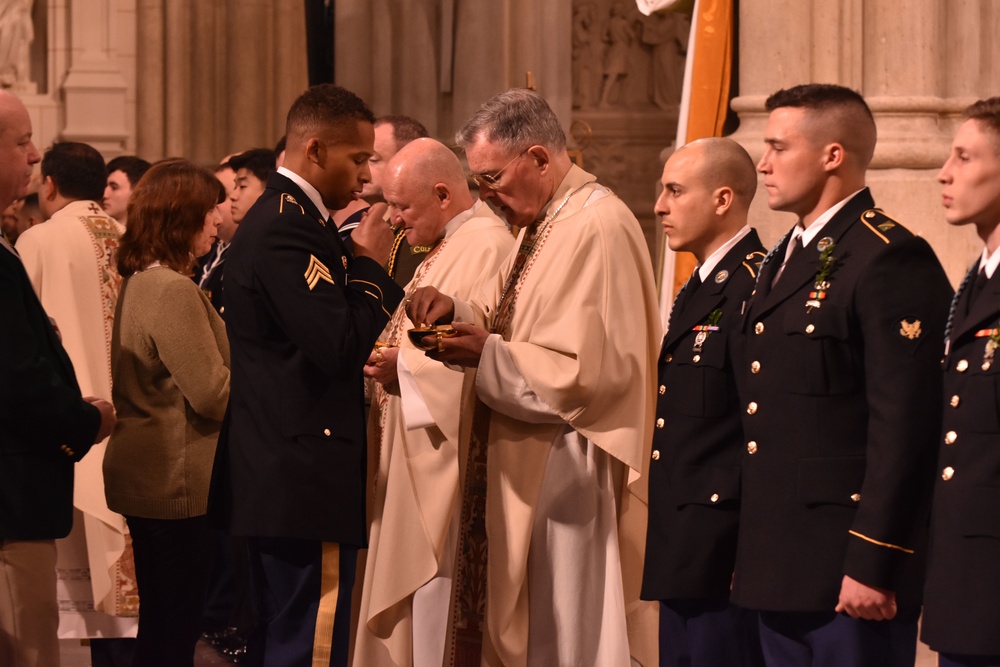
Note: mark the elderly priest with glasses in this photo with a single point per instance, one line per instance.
(565, 339)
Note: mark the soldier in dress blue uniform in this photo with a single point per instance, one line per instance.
(961, 602)
(840, 385)
(694, 476)
(303, 317)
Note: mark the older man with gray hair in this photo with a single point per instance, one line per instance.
(565, 339)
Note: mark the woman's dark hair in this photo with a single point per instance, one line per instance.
(166, 210)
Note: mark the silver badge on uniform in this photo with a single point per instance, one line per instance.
(721, 276)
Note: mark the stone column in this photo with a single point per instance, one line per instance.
(902, 82)
(150, 80)
(177, 76)
(772, 56)
(540, 43)
(391, 53)
(910, 52)
(216, 78)
(93, 90)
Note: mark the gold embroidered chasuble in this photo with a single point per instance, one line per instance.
(70, 260)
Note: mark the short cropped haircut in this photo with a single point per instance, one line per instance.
(404, 128)
(987, 113)
(131, 165)
(846, 116)
(76, 169)
(816, 96)
(325, 106)
(166, 210)
(515, 120)
(726, 163)
(258, 161)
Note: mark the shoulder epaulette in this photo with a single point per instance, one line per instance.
(752, 262)
(880, 224)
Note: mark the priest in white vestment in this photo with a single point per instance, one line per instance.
(565, 340)
(69, 259)
(421, 417)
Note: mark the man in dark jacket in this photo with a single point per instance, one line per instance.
(46, 428)
(839, 379)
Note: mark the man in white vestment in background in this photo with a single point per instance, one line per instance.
(69, 259)
(421, 417)
(566, 340)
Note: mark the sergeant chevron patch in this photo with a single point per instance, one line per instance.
(317, 271)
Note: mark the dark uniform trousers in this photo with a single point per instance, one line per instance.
(302, 318)
(694, 477)
(962, 593)
(839, 382)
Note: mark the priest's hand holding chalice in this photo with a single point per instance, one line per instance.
(456, 343)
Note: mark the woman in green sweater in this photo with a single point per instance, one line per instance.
(170, 374)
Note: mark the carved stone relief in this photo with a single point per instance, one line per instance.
(622, 59)
(17, 32)
(627, 75)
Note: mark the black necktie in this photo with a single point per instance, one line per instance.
(796, 244)
(684, 296)
(975, 290)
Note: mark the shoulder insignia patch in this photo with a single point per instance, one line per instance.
(317, 271)
(879, 223)
(910, 330)
(867, 217)
(285, 197)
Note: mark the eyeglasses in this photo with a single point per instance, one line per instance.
(493, 180)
